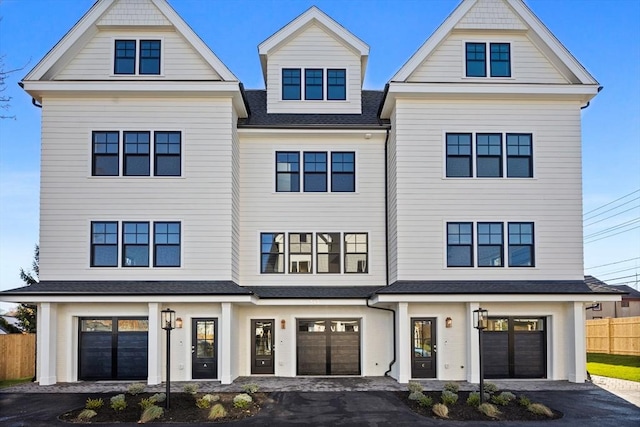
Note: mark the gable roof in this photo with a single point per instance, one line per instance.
(311, 16)
(538, 32)
(86, 27)
(599, 286)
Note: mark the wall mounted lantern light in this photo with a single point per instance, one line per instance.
(448, 322)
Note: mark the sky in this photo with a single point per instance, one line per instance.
(604, 35)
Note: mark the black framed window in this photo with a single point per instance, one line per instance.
(490, 244)
(167, 153)
(343, 171)
(489, 155)
(271, 253)
(135, 244)
(500, 63)
(125, 57)
(291, 87)
(315, 171)
(136, 153)
(521, 249)
(519, 155)
(313, 88)
(458, 155)
(300, 253)
(459, 244)
(149, 57)
(166, 240)
(356, 251)
(104, 244)
(476, 58)
(287, 171)
(328, 252)
(105, 147)
(336, 84)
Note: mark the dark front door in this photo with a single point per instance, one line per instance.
(423, 348)
(204, 360)
(262, 347)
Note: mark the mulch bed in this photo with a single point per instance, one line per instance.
(460, 411)
(182, 409)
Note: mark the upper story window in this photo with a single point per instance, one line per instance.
(490, 244)
(104, 244)
(489, 159)
(291, 83)
(521, 252)
(356, 251)
(300, 253)
(318, 84)
(135, 244)
(136, 153)
(343, 171)
(166, 244)
(476, 59)
(167, 153)
(105, 157)
(147, 53)
(459, 244)
(272, 253)
(328, 252)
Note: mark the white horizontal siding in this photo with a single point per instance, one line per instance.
(426, 200)
(200, 199)
(447, 62)
(235, 202)
(392, 188)
(133, 12)
(264, 210)
(314, 48)
(180, 61)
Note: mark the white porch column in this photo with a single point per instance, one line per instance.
(47, 323)
(225, 343)
(577, 351)
(154, 375)
(473, 343)
(404, 332)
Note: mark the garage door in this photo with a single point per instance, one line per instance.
(113, 348)
(515, 347)
(328, 347)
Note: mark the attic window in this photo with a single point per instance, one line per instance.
(499, 59)
(140, 57)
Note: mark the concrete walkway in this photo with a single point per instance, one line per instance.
(628, 390)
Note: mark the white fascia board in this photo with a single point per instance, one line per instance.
(84, 299)
(458, 298)
(311, 302)
(68, 40)
(257, 132)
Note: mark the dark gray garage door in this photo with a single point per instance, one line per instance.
(113, 348)
(328, 347)
(515, 347)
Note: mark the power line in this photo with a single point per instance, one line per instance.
(623, 277)
(618, 271)
(611, 216)
(611, 235)
(607, 204)
(611, 209)
(615, 227)
(612, 263)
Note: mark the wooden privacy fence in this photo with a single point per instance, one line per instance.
(614, 336)
(17, 356)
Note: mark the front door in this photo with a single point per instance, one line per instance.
(423, 348)
(262, 347)
(204, 361)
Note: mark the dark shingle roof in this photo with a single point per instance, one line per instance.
(599, 286)
(258, 117)
(487, 287)
(131, 287)
(319, 292)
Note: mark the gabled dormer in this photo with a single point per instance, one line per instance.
(313, 65)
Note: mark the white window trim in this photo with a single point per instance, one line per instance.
(487, 65)
(137, 74)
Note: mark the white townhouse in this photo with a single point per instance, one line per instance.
(312, 227)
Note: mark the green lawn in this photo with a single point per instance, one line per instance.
(9, 383)
(614, 366)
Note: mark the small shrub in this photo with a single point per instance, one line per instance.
(524, 401)
(440, 410)
(118, 403)
(211, 397)
(416, 395)
(86, 415)
(474, 399)
(153, 412)
(540, 409)
(503, 398)
(414, 386)
(425, 401)
(158, 397)
(191, 388)
(250, 388)
(136, 388)
(490, 388)
(203, 403)
(452, 387)
(449, 397)
(217, 412)
(94, 403)
(146, 403)
(489, 410)
(242, 400)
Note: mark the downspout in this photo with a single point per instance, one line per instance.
(386, 374)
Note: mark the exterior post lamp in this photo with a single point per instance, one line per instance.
(168, 323)
(480, 322)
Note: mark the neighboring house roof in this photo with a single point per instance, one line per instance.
(314, 292)
(86, 27)
(486, 287)
(258, 117)
(312, 16)
(132, 287)
(599, 286)
(539, 34)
